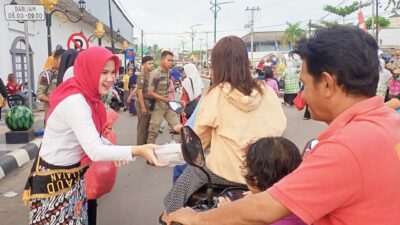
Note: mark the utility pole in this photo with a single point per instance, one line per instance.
(201, 58)
(215, 8)
(183, 45)
(193, 33)
(28, 64)
(253, 11)
(142, 44)
(309, 29)
(373, 17)
(377, 21)
(111, 26)
(207, 47)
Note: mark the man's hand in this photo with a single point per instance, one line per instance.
(223, 201)
(183, 216)
(144, 111)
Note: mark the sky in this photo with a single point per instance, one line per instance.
(168, 22)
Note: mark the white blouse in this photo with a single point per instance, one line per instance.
(70, 133)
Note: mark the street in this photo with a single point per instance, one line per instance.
(138, 194)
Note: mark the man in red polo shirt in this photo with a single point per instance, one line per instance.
(352, 176)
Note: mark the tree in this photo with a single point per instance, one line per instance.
(346, 10)
(382, 21)
(395, 4)
(323, 24)
(292, 33)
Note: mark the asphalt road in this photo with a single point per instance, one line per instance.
(139, 191)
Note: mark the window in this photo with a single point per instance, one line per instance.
(19, 64)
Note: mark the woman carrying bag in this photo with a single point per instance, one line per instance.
(192, 87)
(75, 126)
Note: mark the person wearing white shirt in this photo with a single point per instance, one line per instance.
(75, 123)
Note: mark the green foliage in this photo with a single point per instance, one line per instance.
(382, 21)
(292, 33)
(197, 52)
(323, 24)
(346, 10)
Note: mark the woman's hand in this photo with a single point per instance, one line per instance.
(182, 216)
(223, 201)
(147, 152)
(121, 163)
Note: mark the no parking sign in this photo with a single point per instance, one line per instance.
(130, 54)
(77, 41)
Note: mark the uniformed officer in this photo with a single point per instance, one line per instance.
(142, 103)
(158, 89)
(48, 80)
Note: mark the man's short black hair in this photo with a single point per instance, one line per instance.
(146, 59)
(58, 52)
(165, 53)
(345, 51)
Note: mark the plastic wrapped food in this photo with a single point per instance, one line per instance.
(170, 155)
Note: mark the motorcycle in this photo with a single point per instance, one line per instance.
(116, 101)
(20, 99)
(205, 198)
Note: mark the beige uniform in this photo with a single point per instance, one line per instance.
(159, 83)
(143, 120)
(46, 85)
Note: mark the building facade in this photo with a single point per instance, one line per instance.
(12, 38)
(264, 44)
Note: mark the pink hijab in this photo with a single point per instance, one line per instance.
(87, 70)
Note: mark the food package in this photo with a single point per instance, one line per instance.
(170, 154)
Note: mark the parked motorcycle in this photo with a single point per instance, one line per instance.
(18, 99)
(116, 101)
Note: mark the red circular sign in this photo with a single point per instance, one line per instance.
(77, 41)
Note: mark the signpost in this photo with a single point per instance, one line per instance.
(130, 54)
(77, 41)
(23, 14)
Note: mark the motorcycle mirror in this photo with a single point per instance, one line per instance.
(310, 145)
(175, 106)
(191, 147)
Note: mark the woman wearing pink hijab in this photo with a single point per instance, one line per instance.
(75, 124)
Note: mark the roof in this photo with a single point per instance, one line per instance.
(267, 36)
(72, 7)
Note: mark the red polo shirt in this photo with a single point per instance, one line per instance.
(352, 176)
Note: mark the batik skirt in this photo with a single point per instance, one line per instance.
(57, 205)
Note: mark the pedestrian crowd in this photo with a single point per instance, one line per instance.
(350, 176)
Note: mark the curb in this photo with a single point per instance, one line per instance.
(19, 157)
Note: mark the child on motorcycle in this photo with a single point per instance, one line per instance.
(265, 162)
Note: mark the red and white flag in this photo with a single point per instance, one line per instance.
(361, 22)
